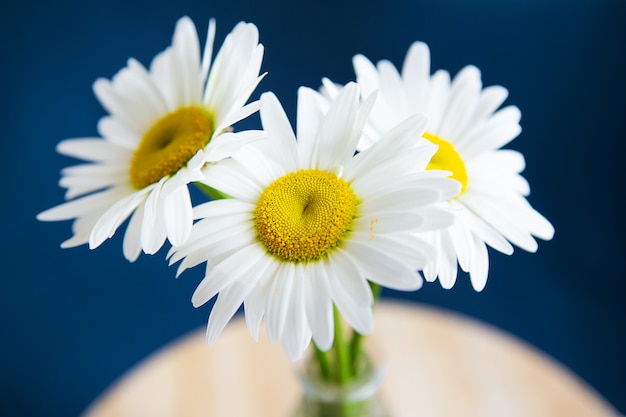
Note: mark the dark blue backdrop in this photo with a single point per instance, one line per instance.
(73, 320)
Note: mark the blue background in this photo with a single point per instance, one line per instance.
(73, 321)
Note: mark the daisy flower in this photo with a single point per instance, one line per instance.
(465, 123)
(310, 223)
(164, 125)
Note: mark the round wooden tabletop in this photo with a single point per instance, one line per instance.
(439, 364)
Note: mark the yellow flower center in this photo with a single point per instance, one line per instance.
(448, 159)
(304, 215)
(169, 144)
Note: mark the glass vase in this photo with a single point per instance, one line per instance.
(359, 397)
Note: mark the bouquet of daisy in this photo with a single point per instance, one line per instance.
(396, 175)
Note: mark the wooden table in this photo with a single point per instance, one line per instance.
(440, 364)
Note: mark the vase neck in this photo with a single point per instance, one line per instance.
(359, 397)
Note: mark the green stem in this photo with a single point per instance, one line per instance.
(323, 361)
(211, 192)
(356, 344)
(342, 352)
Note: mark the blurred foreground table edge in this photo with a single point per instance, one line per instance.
(439, 364)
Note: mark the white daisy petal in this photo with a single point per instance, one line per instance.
(437, 217)
(504, 160)
(348, 281)
(431, 269)
(448, 269)
(113, 218)
(437, 99)
(178, 215)
(486, 233)
(307, 127)
(254, 304)
(231, 177)
(382, 269)
(387, 149)
(491, 98)
(85, 205)
(129, 94)
(278, 301)
(117, 133)
(375, 183)
(196, 251)
(504, 167)
(116, 105)
(236, 111)
(366, 75)
(319, 307)
(391, 223)
(93, 150)
(174, 67)
(230, 270)
(85, 178)
(366, 72)
(163, 75)
(392, 88)
(461, 237)
(153, 232)
(81, 227)
(480, 265)
(136, 84)
(401, 199)
(496, 132)
(508, 224)
(276, 124)
(209, 231)
(132, 237)
(360, 122)
(416, 76)
(297, 333)
(230, 67)
(359, 316)
(266, 169)
(328, 89)
(335, 130)
(512, 209)
(239, 114)
(208, 49)
(220, 208)
(108, 172)
(408, 249)
(225, 307)
(187, 49)
(464, 96)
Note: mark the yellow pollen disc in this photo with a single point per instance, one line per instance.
(448, 159)
(303, 215)
(169, 144)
